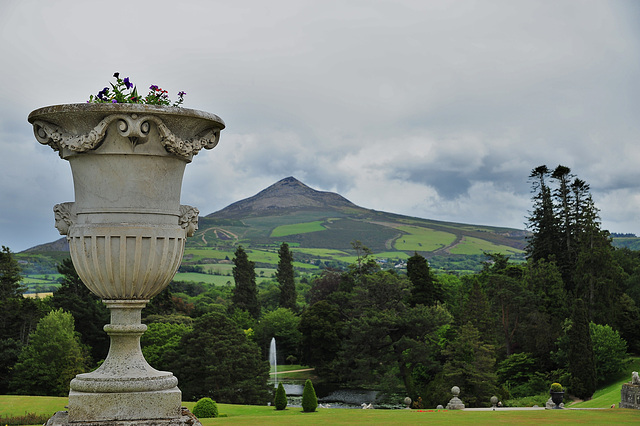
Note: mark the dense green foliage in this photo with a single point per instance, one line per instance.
(283, 324)
(53, 356)
(216, 359)
(205, 408)
(281, 397)
(89, 313)
(309, 398)
(609, 351)
(9, 275)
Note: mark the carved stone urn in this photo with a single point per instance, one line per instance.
(126, 232)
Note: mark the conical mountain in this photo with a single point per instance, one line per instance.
(284, 196)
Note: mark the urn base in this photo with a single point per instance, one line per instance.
(97, 407)
(186, 418)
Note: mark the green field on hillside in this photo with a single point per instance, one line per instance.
(417, 238)
(471, 245)
(298, 228)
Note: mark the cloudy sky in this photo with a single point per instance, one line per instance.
(435, 109)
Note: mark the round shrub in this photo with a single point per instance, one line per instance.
(309, 398)
(281, 398)
(556, 387)
(205, 408)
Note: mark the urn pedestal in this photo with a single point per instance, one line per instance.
(126, 231)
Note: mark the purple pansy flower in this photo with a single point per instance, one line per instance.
(127, 83)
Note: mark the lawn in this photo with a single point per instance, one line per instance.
(263, 415)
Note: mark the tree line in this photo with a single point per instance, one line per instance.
(568, 314)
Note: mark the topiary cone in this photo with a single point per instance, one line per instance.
(281, 398)
(309, 398)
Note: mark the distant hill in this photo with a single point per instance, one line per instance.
(283, 197)
(57, 245)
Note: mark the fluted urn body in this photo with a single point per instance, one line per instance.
(126, 231)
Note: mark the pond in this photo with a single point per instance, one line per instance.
(330, 396)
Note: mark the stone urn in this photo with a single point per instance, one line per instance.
(126, 231)
(557, 398)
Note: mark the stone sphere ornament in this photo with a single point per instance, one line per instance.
(126, 231)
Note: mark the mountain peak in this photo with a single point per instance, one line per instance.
(286, 194)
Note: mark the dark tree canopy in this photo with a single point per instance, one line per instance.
(10, 286)
(424, 288)
(580, 353)
(285, 277)
(245, 295)
(216, 360)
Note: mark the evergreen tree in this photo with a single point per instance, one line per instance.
(424, 288)
(245, 295)
(52, 358)
(543, 240)
(580, 353)
(89, 313)
(477, 311)
(281, 397)
(309, 398)
(471, 366)
(285, 277)
(505, 287)
(10, 286)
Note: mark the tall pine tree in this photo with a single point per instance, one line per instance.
(245, 295)
(543, 240)
(285, 278)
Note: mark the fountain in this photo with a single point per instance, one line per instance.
(273, 360)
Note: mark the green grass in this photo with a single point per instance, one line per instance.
(298, 228)
(471, 245)
(264, 415)
(610, 394)
(422, 239)
(17, 405)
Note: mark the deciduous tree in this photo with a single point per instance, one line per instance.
(89, 313)
(216, 359)
(52, 358)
